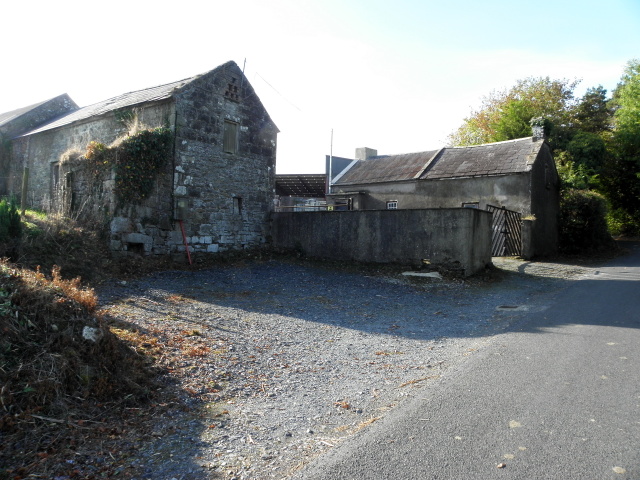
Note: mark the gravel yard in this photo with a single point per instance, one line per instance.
(276, 362)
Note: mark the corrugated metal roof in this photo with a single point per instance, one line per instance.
(513, 156)
(311, 186)
(152, 94)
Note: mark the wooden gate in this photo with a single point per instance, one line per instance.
(506, 238)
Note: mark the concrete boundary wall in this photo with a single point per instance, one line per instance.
(454, 238)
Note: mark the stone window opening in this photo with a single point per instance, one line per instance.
(232, 91)
(230, 140)
(237, 205)
(392, 205)
(470, 204)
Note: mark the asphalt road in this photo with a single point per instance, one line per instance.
(558, 397)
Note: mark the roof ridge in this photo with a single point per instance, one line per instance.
(185, 80)
(112, 104)
(493, 143)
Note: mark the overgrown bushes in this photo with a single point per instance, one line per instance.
(10, 222)
(136, 160)
(583, 221)
(52, 240)
(55, 350)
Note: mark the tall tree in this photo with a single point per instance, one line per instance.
(594, 112)
(506, 114)
(622, 181)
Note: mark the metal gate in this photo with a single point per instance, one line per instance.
(506, 238)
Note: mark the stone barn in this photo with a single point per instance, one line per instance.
(187, 163)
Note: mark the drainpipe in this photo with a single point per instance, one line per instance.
(331, 163)
(186, 244)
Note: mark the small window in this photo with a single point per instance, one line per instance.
(471, 205)
(237, 205)
(232, 91)
(55, 176)
(392, 205)
(230, 141)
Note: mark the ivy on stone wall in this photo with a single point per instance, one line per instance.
(136, 160)
(100, 160)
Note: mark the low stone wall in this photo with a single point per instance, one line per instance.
(454, 238)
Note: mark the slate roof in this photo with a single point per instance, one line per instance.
(13, 114)
(310, 186)
(502, 158)
(386, 168)
(152, 94)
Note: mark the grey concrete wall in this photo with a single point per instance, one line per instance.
(458, 239)
(512, 192)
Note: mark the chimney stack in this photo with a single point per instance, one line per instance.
(540, 127)
(365, 152)
(538, 132)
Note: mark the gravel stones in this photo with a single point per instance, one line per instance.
(278, 362)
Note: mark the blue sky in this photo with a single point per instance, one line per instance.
(398, 76)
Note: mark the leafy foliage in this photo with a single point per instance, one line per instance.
(140, 158)
(621, 222)
(588, 150)
(506, 114)
(10, 224)
(594, 112)
(622, 184)
(137, 160)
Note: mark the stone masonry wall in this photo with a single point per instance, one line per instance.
(41, 151)
(223, 200)
(142, 227)
(227, 196)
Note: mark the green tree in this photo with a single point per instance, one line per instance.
(514, 121)
(594, 112)
(622, 172)
(588, 150)
(506, 114)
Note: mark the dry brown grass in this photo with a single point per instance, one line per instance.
(50, 374)
(75, 248)
(45, 359)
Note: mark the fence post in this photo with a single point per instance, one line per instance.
(25, 184)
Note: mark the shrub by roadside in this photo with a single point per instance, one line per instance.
(583, 222)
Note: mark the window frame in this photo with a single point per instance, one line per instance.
(230, 136)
